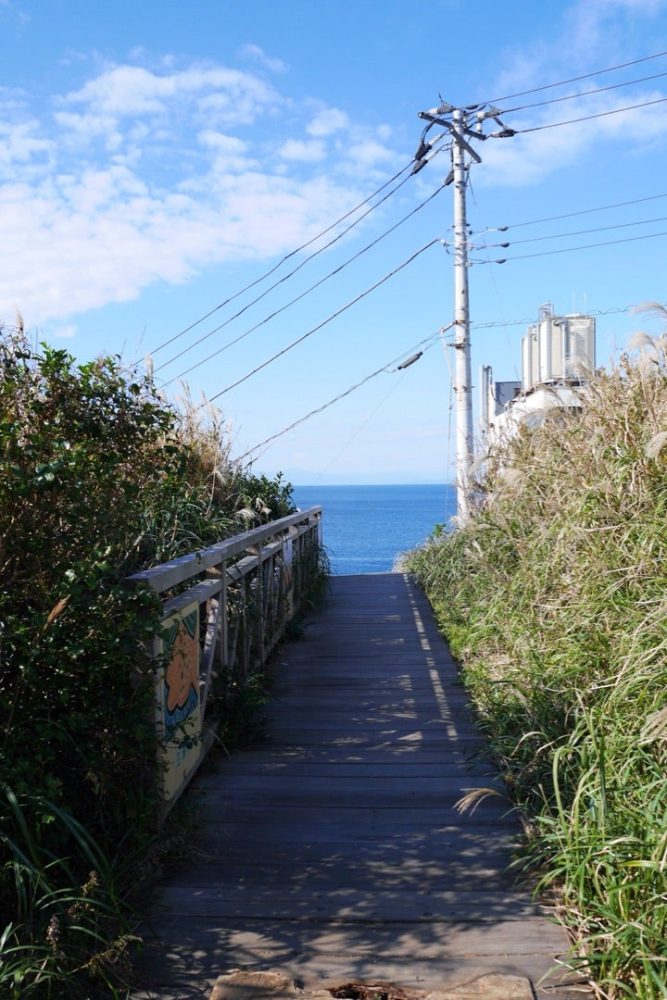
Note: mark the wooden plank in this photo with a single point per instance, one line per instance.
(327, 871)
(261, 753)
(421, 791)
(341, 834)
(404, 906)
(377, 739)
(268, 941)
(204, 591)
(287, 767)
(333, 848)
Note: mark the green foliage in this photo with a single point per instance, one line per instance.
(262, 498)
(553, 596)
(98, 479)
(66, 928)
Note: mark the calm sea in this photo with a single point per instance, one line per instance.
(367, 527)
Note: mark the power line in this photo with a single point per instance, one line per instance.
(612, 311)
(576, 232)
(280, 281)
(582, 93)
(588, 118)
(319, 326)
(572, 79)
(356, 432)
(569, 215)
(325, 406)
(585, 246)
(293, 253)
(287, 305)
(423, 346)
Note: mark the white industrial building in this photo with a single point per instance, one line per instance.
(557, 356)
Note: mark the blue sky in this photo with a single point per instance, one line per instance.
(155, 158)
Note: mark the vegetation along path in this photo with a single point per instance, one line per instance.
(333, 850)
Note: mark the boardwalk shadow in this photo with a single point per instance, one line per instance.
(334, 850)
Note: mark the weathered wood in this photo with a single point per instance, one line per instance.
(333, 849)
(343, 903)
(171, 573)
(204, 591)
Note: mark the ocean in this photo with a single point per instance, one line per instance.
(367, 527)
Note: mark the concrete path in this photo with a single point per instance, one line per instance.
(333, 851)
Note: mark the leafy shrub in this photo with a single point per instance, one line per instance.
(98, 478)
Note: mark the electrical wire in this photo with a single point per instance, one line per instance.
(293, 253)
(612, 311)
(291, 302)
(386, 369)
(582, 93)
(576, 232)
(280, 281)
(493, 281)
(568, 215)
(588, 118)
(324, 322)
(585, 246)
(572, 79)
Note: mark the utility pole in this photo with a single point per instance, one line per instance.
(462, 366)
(457, 122)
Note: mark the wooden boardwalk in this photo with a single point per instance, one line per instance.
(333, 850)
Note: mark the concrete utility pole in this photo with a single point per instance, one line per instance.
(457, 121)
(462, 367)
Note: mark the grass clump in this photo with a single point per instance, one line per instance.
(99, 478)
(554, 597)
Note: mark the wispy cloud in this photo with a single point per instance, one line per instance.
(255, 54)
(298, 149)
(594, 35)
(11, 9)
(145, 174)
(328, 121)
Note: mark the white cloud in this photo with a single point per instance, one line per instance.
(20, 144)
(591, 23)
(258, 55)
(327, 122)
(222, 96)
(231, 154)
(369, 153)
(132, 90)
(141, 176)
(65, 332)
(589, 26)
(306, 152)
(526, 159)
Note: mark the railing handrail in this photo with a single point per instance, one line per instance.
(170, 574)
(237, 598)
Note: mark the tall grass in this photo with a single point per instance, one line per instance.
(69, 933)
(554, 597)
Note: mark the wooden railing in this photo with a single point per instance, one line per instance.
(224, 610)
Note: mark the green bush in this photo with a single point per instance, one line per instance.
(553, 596)
(98, 478)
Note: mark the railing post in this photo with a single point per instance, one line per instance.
(223, 638)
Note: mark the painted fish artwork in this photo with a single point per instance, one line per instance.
(181, 679)
(178, 698)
